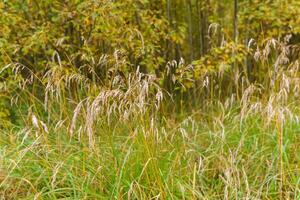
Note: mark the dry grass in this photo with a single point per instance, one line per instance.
(81, 139)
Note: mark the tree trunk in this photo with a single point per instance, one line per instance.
(235, 22)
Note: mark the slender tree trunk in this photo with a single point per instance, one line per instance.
(235, 22)
(235, 39)
(169, 43)
(178, 53)
(220, 9)
(203, 29)
(169, 16)
(200, 28)
(206, 15)
(190, 24)
(248, 66)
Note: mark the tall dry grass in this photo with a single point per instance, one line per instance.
(121, 139)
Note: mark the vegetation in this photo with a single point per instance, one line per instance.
(149, 99)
